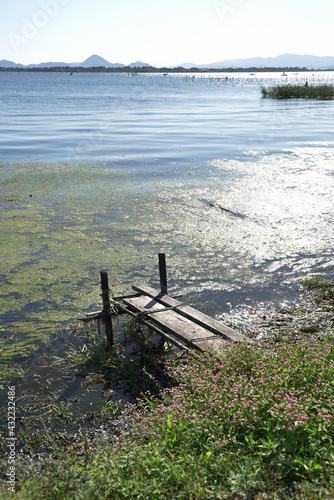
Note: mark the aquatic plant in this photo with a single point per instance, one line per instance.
(317, 282)
(299, 91)
(324, 290)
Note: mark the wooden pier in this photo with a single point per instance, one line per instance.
(176, 322)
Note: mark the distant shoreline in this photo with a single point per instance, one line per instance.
(151, 69)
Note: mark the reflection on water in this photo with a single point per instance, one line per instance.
(237, 191)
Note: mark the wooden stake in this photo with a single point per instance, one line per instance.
(163, 273)
(106, 308)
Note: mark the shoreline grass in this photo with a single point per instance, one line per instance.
(258, 420)
(299, 91)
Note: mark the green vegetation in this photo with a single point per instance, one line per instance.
(299, 91)
(60, 225)
(317, 282)
(178, 447)
(325, 290)
(94, 360)
(255, 423)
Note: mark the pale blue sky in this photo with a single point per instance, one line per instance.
(163, 32)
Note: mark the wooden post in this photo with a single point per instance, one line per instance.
(106, 307)
(163, 273)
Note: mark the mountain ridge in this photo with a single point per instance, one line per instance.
(282, 61)
(91, 62)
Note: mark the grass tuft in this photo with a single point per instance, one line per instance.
(324, 290)
(299, 91)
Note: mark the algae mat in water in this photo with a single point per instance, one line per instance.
(60, 224)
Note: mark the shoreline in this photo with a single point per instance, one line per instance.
(48, 438)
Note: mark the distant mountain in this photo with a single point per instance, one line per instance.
(95, 61)
(9, 64)
(139, 64)
(189, 65)
(282, 61)
(48, 65)
(99, 61)
(90, 62)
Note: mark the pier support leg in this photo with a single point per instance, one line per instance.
(163, 273)
(163, 286)
(106, 308)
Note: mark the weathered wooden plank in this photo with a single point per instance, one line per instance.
(214, 342)
(188, 312)
(121, 297)
(165, 335)
(184, 329)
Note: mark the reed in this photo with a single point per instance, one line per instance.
(299, 92)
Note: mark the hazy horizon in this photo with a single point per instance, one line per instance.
(164, 33)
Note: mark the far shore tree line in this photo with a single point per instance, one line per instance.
(151, 69)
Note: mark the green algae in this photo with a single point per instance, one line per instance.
(60, 225)
(53, 244)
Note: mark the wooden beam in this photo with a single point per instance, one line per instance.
(190, 313)
(169, 338)
(183, 329)
(163, 273)
(106, 308)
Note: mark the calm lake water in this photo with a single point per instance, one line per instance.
(103, 171)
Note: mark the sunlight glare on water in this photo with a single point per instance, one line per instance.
(262, 223)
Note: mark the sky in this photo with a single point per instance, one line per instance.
(163, 32)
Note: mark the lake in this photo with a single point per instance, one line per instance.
(104, 171)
